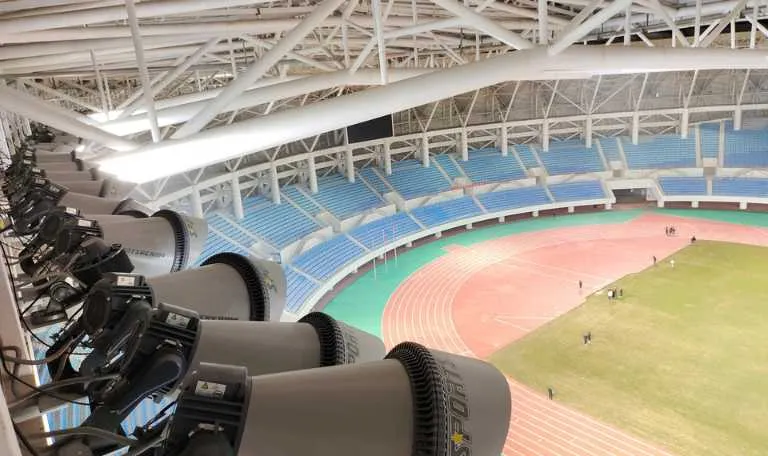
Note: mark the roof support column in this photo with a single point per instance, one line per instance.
(237, 198)
(425, 151)
(387, 157)
(545, 136)
(312, 171)
(504, 141)
(349, 164)
(737, 113)
(635, 128)
(684, 123)
(464, 145)
(197, 202)
(274, 183)
(588, 132)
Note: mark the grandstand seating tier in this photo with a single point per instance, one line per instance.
(447, 211)
(299, 289)
(746, 148)
(709, 134)
(373, 178)
(571, 157)
(754, 187)
(488, 165)
(279, 224)
(575, 191)
(514, 198)
(610, 148)
(449, 165)
(674, 185)
(385, 230)
(413, 180)
(300, 199)
(323, 260)
(667, 151)
(344, 199)
(527, 155)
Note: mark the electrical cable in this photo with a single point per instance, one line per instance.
(60, 384)
(36, 362)
(14, 376)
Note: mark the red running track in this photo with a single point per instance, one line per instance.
(474, 300)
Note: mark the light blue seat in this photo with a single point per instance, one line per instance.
(571, 157)
(610, 148)
(746, 148)
(344, 199)
(279, 224)
(514, 198)
(447, 211)
(370, 176)
(577, 191)
(413, 180)
(385, 230)
(527, 155)
(488, 165)
(674, 185)
(300, 199)
(449, 165)
(325, 259)
(710, 139)
(755, 187)
(228, 229)
(216, 244)
(299, 289)
(665, 151)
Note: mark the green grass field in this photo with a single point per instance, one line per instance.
(681, 360)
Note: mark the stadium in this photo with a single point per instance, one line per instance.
(400, 228)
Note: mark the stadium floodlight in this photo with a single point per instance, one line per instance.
(166, 242)
(166, 345)
(416, 401)
(33, 202)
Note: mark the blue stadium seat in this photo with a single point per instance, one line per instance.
(344, 199)
(294, 194)
(610, 148)
(755, 187)
(413, 180)
(674, 185)
(710, 139)
(527, 155)
(216, 244)
(571, 157)
(514, 198)
(279, 224)
(746, 148)
(323, 260)
(666, 151)
(447, 211)
(299, 289)
(488, 165)
(370, 176)
(577, 191)
(228, 229)
(449, 165)
(385, 230)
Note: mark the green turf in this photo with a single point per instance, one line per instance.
(681, 360)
